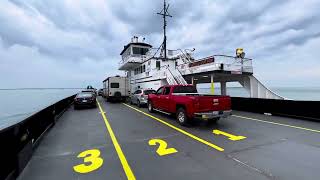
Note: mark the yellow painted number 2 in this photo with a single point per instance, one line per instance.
(162, 149)
(92, 161)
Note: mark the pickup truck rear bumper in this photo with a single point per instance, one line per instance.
(212, 114)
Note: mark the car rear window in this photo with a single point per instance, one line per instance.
(86, 91)
(185, 89)
(114, 85)
(82, 95)
(146, 92)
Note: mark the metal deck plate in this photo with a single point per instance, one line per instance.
(269, 151)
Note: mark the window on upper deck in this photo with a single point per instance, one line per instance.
(158, 65)
(139, 51)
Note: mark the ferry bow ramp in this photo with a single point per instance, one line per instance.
(121, 141)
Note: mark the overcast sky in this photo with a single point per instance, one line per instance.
(73, 43)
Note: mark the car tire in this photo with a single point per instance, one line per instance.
(182, 117)
(138, 104)
(75, 107)
(150, 107)
(131, 101)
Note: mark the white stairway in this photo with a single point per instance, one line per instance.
(174, 77)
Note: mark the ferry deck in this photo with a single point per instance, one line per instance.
(121, 141)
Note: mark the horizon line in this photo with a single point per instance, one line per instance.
(36, 88)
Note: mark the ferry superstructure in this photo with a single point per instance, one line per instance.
(148, 67)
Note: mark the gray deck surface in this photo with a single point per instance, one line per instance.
(270, 151)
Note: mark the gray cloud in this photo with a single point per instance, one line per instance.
(81, 40)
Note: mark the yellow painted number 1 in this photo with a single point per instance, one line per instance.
(91, 159)
(230, 136)
(162, 149)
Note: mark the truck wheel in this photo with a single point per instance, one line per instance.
(131, 101)
(150, 106)
(138, 104)
(182, 117)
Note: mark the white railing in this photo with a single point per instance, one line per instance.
(221, 62)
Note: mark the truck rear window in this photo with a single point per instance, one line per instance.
(114, 85)
(185, 89)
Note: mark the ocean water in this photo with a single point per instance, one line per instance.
(294, 93)
(16, 105)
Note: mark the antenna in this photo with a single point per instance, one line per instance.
(164, 13)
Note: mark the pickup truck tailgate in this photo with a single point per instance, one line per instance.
(213, 103)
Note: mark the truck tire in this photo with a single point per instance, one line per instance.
(117, 96)
(182, 116)
(150, 106)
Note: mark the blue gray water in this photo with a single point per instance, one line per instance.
(294, 93)
(16, 105)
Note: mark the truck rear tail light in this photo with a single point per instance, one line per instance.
(215, 102)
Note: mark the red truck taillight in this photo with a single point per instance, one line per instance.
(215, 102)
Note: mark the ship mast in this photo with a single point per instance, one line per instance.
(164, 13)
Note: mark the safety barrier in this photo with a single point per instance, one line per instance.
(19, 140)
(289, 108)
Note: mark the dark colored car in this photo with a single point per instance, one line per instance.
(85, 99)
(93, 91)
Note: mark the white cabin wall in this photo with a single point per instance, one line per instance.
(147, 85)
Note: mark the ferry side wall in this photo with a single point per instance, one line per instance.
(297, 109)
(19, 141)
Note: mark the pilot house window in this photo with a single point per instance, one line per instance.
(139, 51)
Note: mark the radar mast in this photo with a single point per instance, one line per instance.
(164, 13)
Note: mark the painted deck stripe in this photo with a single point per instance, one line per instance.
(121, 155)
(279, 124)
(178, 129)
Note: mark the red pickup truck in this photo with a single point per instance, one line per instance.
(186, 103)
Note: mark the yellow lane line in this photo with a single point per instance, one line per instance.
(121, 156)
(279, 124)
(178, 129)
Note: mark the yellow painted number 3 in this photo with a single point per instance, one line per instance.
(162, 149)
(92, 161)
